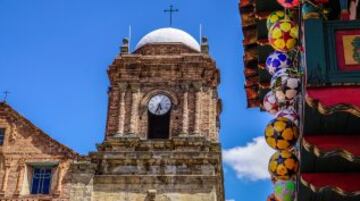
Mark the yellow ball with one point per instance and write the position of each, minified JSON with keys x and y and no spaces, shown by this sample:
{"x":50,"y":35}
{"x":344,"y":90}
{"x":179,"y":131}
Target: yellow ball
{"x":281,"y":133}
{"x":283,"y":165}
{"x":283,"y":35}
{"x":274,"y":17}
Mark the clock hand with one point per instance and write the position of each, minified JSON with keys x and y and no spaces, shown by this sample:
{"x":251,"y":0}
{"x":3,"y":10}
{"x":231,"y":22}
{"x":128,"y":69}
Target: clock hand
{"x":158,"y":109}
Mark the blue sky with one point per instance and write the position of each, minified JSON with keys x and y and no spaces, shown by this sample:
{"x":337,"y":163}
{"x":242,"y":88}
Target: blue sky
{"x":54,"y":56}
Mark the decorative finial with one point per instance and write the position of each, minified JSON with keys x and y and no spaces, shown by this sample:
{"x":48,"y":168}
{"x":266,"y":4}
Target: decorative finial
{"x":125,"y":46}
{"x":171,"y":10}
{"x":204,"y":45}
{"x":204,"y":40}
{"x":125,"y":41}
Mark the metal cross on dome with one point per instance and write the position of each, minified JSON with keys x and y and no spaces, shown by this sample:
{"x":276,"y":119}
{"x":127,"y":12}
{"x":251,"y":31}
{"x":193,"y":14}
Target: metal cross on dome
{"x":6,"y":94}
{"x":171,"y":10}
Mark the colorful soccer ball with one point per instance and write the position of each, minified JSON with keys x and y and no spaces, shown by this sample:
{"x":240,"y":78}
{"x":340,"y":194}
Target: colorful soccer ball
{"x":290,"y":114}
{"x":289,"y":3}
{"x":275,"y":17}
{"x":271,"y":198}
{"x":284,"y":72}
{"x":285,"y":85}
{"x":284,"y":190}
{"x":283,"y":165}
{"x":276,"y":61}
{"x":281,"y":133}
{"x":270,"y":104}
{"x":283,"y":35}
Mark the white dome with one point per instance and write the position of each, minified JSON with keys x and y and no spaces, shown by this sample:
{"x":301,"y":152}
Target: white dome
{"x":169,"y":35}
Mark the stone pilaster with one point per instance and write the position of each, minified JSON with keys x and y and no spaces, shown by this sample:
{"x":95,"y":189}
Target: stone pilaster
{"x":135,"y":101}
{"x":60,"y":175}
{"x":5,"y":178}
{"x":121,"y":123}
{"x":198,"y":96}
{"x":212,"y":115}
{"x":20,"y":178}
{"x":185,"y":109}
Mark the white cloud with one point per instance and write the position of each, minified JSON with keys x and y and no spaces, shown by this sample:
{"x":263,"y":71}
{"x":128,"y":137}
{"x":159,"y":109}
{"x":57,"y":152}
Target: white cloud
{"x":230,"y":200}
{"x":250,"y":161}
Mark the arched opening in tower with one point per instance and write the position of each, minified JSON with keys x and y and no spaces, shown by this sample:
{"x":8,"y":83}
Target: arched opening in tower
{"x":159,"y":126}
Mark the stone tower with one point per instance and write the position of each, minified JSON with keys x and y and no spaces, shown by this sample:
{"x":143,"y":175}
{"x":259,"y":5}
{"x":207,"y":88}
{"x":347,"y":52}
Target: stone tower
{"x":161,"y":141}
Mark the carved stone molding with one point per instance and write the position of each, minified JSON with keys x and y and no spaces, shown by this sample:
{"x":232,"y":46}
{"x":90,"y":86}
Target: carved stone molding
{"x":185,"y":86}
{"x":197,"y":86}
{"x":123,"y":86}
{"x":135,"y":87}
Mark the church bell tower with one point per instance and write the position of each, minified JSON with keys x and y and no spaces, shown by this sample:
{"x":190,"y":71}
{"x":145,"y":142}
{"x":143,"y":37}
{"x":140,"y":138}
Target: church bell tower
{"x":162,"y":132}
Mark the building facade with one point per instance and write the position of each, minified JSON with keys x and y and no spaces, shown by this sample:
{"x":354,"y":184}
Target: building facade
{"x":161,"y":141}
{"x":33,"y":166}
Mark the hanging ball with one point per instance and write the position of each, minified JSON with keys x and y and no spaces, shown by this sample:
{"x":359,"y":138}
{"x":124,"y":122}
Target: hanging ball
{"x":284,"y":190}
{"x":275,"y":17}
{"x":289,"y":113}
{"x":270,"y":104}
{"x":271,"y":198}
{"x":283,"y":165}
{"x":283,"y":35}
{"x":289,"y":3}
{"x":282,"y":72}
{"x":281,"y":133}
{"x":286,"y":85}
{"x":276,"y":61}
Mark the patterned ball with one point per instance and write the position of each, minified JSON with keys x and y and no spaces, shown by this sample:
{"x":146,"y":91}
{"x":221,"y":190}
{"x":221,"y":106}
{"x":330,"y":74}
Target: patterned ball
{"x":286,"y":85}
{"x":274,"y":17}
{"x":271,"y":198}
{"x":289,"y":3}
{"x":284,"y":190}
{"x":281,"y":133}
{"x":276,"y":61}
{"x":290,"y":114}
{"x":283,"y":72}
{"x":270,"y":104}
{"x":283,"y":165}
{"x":283,"y":35}
{"x":277,"y":16}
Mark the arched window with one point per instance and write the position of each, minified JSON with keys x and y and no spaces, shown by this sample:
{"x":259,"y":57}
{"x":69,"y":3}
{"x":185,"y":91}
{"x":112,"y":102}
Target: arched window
{"x":159,"y":110}
{"x":159,"y":126}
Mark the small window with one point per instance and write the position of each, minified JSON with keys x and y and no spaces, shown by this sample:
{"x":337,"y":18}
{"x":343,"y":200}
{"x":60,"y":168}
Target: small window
{"x":41,"y":180}
{"x":2,"y":135}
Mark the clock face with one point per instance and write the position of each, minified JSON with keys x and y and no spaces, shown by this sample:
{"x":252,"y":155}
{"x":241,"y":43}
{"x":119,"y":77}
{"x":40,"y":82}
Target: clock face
{"x":159,"y":104}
